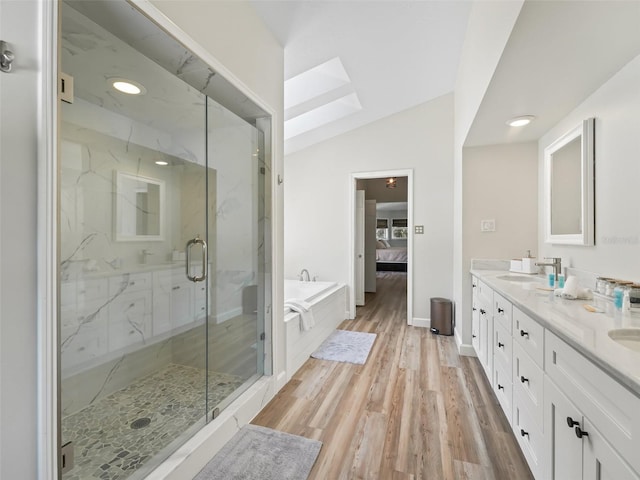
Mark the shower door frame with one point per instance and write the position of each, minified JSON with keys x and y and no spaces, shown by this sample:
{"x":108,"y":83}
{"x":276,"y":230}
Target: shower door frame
{"x":48,"y":240}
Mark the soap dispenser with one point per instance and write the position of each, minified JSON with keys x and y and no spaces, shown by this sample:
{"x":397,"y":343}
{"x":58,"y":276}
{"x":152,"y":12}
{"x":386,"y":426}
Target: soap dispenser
{"x":529,"y":264}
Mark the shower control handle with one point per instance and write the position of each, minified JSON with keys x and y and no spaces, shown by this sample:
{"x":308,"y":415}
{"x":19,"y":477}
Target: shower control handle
{"x":189,"y":246}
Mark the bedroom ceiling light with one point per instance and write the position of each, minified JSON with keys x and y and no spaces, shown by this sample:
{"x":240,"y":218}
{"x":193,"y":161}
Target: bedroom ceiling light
{"x":521,"y":121}
{"x":391,"y":182}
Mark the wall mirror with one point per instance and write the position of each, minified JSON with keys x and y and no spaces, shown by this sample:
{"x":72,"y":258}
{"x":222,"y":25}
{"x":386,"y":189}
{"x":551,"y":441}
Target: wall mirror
{"x":139,"y":208}
{"x":569,"y":187}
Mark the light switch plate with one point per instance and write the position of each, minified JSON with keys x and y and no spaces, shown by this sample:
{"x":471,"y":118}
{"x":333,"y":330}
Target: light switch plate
{"x":419,"y":229}
{"x":488,"y":225}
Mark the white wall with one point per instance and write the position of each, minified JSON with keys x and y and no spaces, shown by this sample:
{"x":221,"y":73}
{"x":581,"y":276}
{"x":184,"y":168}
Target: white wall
{"x":18,"y":193}
{"x":615,"y":105}
{"x":317,"y":191}
{"x":490,"y":24}
{"x":500,"y":182}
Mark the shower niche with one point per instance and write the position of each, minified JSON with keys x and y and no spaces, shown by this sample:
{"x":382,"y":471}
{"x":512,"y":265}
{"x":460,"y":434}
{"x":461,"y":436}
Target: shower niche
{"x":163,"y":215}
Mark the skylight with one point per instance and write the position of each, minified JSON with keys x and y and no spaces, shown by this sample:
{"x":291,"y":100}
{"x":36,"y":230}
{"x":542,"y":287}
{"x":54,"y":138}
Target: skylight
{"x":318,"y":96}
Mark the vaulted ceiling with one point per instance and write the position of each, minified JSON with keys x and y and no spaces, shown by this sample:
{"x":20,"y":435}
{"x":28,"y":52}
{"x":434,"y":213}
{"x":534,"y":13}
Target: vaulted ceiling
{"x":349,"y":63}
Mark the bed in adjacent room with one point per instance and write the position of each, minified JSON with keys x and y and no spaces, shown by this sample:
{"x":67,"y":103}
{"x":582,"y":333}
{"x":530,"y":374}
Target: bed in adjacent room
{"x":390,"y":258}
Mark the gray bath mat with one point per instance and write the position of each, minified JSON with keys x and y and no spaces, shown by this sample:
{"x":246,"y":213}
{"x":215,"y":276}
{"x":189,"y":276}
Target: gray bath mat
{"x":346,"y":346}
{"x":259,"y":453}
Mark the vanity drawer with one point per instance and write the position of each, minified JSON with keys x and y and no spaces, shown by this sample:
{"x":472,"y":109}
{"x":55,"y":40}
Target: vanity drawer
{"x":502,"y":346}
{"x":135,"y":283}
{"x":502,"y":311}
{"x":485,"y":296}
{"x":528,"y":383}
{"x":608,"y":405}
{"x":529,"y":334}
{"x":529,"y":436}
{"x":503,"y":389}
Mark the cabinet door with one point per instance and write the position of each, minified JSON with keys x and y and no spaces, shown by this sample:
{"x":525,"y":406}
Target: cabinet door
{"x":564,"y":447}
{"x":475,"y":329}
{"x":601,"y":461}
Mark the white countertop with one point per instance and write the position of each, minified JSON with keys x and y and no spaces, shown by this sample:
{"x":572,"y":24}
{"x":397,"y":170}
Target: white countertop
{"x":585,"y":331}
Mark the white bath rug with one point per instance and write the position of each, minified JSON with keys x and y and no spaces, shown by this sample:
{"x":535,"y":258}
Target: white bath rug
{"x":346,"y":346}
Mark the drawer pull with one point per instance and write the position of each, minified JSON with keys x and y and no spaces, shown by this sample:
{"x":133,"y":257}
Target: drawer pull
{"x":473,"y":336}
{"x":474,"y":286}
{"x":524,"y":379}
{"x":474,"y":309}
{"x":581,"y":433}
{"x":482,"y":311}
{"x":500,"y":345}
{"x":571,"y":422}
{"x":500,"y":387}
{"x":523,"y":433}
{"x":132,"y":283}
{"x":523,"y":333}
{"x":500,"y":310}
{"x":176,"y":288}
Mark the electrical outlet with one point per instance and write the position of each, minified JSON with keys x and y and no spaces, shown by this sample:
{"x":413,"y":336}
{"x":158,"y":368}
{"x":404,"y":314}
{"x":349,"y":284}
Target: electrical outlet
{"x":488,"y":225}
{"x":419,"y":229}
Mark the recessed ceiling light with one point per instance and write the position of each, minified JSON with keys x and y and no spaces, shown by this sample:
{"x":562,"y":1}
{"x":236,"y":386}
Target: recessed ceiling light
{"x":129,"y":87}
{"x":520,"y":121}
{"x":161,"y":162}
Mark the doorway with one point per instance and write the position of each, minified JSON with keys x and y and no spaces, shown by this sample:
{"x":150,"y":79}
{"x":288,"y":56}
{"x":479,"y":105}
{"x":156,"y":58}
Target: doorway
{"x":360,"y":250}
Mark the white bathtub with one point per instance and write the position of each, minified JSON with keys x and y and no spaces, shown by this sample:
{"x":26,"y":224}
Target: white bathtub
{"x":329,"y":306}
{"x":307,"y":291}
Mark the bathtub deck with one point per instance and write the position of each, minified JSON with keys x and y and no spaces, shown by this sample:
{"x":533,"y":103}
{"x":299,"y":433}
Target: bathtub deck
{"x":415,"y":410}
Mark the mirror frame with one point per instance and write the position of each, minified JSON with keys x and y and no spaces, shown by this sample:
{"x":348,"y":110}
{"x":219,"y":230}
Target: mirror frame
{"x":119,"y":237}
{"x":585,"y":131}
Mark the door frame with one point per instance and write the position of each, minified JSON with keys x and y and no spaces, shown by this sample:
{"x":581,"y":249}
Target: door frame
{"x":353,"y":180}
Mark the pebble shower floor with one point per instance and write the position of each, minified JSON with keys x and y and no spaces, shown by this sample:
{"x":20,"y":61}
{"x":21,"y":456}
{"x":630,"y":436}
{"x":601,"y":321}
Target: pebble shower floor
{"x":115,"y":436}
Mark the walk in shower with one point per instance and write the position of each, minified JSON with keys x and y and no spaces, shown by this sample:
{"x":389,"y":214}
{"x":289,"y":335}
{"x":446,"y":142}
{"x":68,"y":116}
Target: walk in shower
{"x":164,"y":181}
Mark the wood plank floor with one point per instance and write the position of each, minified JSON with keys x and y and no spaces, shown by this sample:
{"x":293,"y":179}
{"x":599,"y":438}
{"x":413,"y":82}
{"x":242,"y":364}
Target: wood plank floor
{"x":415,"y":410}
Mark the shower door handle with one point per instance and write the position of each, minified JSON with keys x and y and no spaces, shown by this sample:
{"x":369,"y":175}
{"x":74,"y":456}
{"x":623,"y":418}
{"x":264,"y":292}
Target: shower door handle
{"x":190,"y":244}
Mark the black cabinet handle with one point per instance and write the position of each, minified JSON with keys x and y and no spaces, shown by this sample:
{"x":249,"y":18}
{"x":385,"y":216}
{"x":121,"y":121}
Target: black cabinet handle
{"x":524,"y":379}
{"x":482,"y":311}
{"x":500,"y":345}
{"x":474,"y":309}
{"x":523,"y":433}
{"x":473,"y":286}
{"x":581,"y":433}
{"x":473,"y":336}
{"x":500,"y":310}
{"x":571,"y":422}
{"x":500,"y":387}
{"x":523,"y":333}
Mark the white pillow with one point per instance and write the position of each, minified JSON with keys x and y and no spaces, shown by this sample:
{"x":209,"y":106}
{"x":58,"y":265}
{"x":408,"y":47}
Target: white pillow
{"x":380,"y":244}
{"x":386,"y":244}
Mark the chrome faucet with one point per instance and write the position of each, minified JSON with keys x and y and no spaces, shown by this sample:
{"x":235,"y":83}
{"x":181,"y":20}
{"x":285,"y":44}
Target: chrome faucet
{"x":556,"y":263}
{"x":301,"y":276}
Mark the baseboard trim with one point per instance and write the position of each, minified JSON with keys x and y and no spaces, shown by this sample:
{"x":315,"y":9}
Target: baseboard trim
{"x":421,"y":322}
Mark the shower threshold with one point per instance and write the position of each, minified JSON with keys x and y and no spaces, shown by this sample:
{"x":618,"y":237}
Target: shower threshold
{"x":117,"y":435}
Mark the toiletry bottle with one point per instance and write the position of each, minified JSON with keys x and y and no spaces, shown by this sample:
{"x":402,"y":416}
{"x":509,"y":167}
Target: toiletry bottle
{"x":561,"y":280}
{"x":552,"y":279}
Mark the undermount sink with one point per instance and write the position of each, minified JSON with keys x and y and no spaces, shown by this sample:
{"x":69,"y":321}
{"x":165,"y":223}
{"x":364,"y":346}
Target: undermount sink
{"x":518,"y":278}
{"x":627,"y":337}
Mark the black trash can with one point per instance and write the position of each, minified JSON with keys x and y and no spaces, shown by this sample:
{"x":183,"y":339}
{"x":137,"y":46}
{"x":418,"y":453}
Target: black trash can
{"x":441,"y":316}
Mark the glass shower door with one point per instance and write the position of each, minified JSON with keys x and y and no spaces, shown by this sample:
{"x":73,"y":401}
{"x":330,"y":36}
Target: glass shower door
{"x":134,"y":298}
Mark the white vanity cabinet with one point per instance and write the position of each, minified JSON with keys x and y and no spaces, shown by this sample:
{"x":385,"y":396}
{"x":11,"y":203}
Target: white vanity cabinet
{"x":130,"y":310}
{"x":577,"y":449}
{"x":482,"y":325}
{"x":572,"y":420}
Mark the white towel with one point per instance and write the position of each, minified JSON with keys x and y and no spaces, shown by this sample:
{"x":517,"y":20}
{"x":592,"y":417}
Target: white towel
{"x":307,"y":321}
{"x":579,"y":294}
